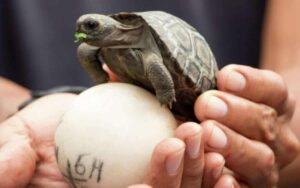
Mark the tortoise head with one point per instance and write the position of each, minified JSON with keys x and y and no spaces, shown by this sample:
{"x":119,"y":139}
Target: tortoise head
{"x":104,"y":31}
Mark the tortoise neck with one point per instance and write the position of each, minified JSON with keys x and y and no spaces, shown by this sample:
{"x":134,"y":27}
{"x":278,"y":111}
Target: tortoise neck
{"x":124,"y":37}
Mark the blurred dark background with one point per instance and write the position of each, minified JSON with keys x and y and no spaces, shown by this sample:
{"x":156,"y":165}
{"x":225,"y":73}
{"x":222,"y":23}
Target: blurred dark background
{"x":37,"y":46}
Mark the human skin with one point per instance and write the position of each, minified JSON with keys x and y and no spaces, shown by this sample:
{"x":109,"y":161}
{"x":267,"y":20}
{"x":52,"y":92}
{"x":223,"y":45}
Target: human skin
{"x":11,"y":96}
{"x":281,"y":53}
{"x":254,"y":110}
{"x":218,"y":137}
{"x":259,"y":107}
{"x":28,"y":159}
{"x":27,"y":148}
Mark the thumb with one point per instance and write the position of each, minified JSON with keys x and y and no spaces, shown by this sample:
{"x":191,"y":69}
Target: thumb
{"x":18,"y":159}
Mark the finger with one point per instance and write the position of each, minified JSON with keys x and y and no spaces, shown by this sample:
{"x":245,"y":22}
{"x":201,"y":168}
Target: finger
{"x":228,"y":181}
{"x":255,"y":121}
{"x":139,"y":186}
{"x":214,"y":164}
{"x":252,"y":161}
{"x":112,"y":76}
{"x":261,"y":86}
{"x":191,"y":134}
{"x":166,"y":165}
{"x":252,"y":120}
{"x":286,"y":146}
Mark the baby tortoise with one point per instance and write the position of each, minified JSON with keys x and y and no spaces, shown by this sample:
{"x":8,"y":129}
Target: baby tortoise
{"x":154,"y":49}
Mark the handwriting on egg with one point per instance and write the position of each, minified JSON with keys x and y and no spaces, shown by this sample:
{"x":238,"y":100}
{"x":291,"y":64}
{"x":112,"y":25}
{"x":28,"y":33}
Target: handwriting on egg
{"x":85,"y":168}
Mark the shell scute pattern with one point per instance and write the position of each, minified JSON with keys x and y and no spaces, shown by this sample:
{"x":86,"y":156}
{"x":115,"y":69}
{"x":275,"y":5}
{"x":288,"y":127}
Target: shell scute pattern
{"x":187,"y":47}
{"x":185,"y":53}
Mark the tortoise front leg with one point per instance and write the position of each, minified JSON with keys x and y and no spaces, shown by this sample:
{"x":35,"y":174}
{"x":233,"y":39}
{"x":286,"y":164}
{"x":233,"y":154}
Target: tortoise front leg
{"x":160,"y":79}
{"x":88,"y":58}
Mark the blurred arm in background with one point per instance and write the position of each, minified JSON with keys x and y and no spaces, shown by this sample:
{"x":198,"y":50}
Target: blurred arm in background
{"x":281,"y":53}
{"x":11,"y":96}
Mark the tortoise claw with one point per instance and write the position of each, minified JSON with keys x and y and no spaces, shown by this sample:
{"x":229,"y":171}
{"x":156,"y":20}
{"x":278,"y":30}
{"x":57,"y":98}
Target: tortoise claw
{"x":166,"y":98}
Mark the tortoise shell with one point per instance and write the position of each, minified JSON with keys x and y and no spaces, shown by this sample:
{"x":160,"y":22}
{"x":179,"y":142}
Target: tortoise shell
{"x":185,"y":53}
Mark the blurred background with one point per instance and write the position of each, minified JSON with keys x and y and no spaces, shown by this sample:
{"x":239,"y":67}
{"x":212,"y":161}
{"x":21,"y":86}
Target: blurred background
{"x":37,"y":48}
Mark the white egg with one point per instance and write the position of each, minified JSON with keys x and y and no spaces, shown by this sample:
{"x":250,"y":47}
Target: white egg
{"x":106,"y":139}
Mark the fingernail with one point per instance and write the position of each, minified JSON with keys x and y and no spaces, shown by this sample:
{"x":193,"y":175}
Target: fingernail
{"x":216,"y":108}
{"x":217,"y":172}
{"x":235,"y":81}
{"x":193,"y":144}
{"x":217,"y":139}
{"x":173,"y":162}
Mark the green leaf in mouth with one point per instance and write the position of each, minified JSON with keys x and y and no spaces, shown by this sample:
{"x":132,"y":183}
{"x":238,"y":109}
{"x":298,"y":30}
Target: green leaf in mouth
{"x":80,"y":36}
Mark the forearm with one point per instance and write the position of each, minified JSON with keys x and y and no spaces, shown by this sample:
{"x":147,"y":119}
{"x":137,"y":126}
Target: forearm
{"x":281,"y":53}
{"x":11,"y":96}
{"x":281,"y":35}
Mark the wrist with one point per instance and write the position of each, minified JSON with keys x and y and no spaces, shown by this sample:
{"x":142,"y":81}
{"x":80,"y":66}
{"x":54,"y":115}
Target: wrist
{"x":11,"y":96}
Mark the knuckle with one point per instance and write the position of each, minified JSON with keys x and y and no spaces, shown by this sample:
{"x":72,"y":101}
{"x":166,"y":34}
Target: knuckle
{"x":193,"y":172}
{"x":268,"y":160}
{"x":268,"y":125}
{"x":268,"y":175}
{"x":269,"y":181}
{"x":292,"y":146}
{"x":274,"y":178}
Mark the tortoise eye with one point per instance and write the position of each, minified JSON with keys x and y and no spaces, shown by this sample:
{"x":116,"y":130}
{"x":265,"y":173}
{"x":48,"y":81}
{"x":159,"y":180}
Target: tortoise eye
{"x":91,"y":24}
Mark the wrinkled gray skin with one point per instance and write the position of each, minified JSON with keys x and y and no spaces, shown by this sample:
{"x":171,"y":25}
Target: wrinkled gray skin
{"x":134,"y":52}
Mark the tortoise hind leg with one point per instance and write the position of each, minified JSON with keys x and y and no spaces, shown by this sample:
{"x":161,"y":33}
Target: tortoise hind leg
{"x":184,"y":110}
{"x":88,"y":57}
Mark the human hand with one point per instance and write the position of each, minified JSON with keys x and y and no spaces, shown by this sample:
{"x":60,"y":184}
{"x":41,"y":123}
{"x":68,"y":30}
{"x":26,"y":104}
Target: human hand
{"x":28,"y":158}
{"x":200,"y":172}
{"x":204,"y":171}
{"x":253,"y":108}
{"x":26,"y":143}
{"x":289,"y":176}
{"x":177,"y":163}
